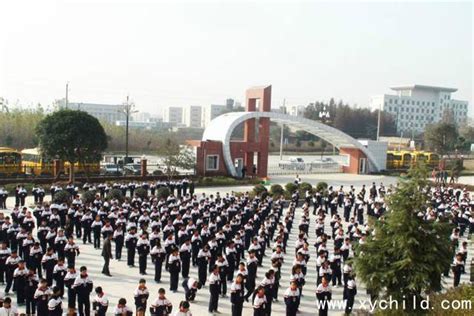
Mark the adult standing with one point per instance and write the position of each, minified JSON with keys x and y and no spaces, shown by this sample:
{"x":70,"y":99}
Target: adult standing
{"x":107,"y":254}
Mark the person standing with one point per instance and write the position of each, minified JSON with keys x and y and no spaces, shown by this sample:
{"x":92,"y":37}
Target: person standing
{"x":214,"y":289}
{"x":143,"y":249}
{"x":131,"y":244}
{"x":174,"y":268}
{"x":41,"y":296}
{"x":83,"y":286}
{"x":185,"y":256}
{"x":237,"y":295}
{"x":350,"y":291}
{"x":323,"y":294}
{"x":158,"y":255}
{"x":55,"y":304}
{"x":292,"y":299}
{"x":141,"y":295}
{"x":107,"y":254}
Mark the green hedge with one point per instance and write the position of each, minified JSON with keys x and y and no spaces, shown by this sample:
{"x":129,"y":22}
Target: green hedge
{"x":259,"y":189}
{"x":141,"y":193}
{"x":290,"y":187}
{"x":115,"y":194}
{"x":62,"y":196}
{"x":277,"y":190}
{"x":163,"y":193}
{"x":88,"y":196}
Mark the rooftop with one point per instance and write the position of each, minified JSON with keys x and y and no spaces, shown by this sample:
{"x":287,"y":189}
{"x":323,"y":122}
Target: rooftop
{"x":423,"y":87}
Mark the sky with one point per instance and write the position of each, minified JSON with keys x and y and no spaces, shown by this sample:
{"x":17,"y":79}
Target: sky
{"x":179,"y":53}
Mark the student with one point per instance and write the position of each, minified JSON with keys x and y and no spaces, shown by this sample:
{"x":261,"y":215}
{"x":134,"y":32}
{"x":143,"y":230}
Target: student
{"x":323,"y":294}
{"x":158,"y":255}
{"x":252,"y":266}
{"x":20,"y":275}
{"x":203,"y":258}
{"x":185,"y":256}
{"x":55,"y":304}
{"x":41,"y":297}
{"x":292,"y":299}
{"x":69,"y":279}
{"x":260,"y":302}
{"x":141,"y":295}
{"x":8,"y":309}
{"x":161,"y":306}
{"x":83,"y":287}
{"x":121,"y":309}
{"x":100,"y":303}
{"x":30,"y":289}
{"x":191,"y":286}
{"x":174,"y":268}
{"x":214,"y":289}
{"x":11,"y":264}
{"x":458,"y":268}
{"x":131,"y":244}
{"x":237,"y":295}
{"x":183,"y":309}
{"x":143,"y":249}
{"x":350,"y":291}
{"x":59,"y":272}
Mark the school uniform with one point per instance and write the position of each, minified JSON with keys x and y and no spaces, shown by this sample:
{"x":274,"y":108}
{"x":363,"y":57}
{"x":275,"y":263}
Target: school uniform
{"x":41,"y":297}
{"x":161,"y":307}
{"x":292,"y":301}
{"x":143,"y":249}
{"x":141,"y":296}
{"x":174,"y":268}
{"x":214,"y":290}
{"x":158,"y":255}
{"x":237,"y":298}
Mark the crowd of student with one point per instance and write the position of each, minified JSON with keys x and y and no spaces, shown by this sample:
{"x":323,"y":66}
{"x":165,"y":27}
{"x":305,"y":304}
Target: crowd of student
{"x":226,"y":238}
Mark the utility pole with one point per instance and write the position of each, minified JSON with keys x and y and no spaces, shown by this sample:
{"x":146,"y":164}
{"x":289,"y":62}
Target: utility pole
{"x":127,"y":110}
{"x":67,"y":92}
{"x":281,"y":133}
{"x":378,"y":122}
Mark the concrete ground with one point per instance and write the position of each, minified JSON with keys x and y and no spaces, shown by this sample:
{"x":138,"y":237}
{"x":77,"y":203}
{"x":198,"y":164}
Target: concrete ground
{"x":125,"y":279}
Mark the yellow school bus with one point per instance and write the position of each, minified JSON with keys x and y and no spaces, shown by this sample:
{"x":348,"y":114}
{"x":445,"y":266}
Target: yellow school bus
{"x":10,"y":161}
{"x":403,"y":159}
{"x":35,"y":163}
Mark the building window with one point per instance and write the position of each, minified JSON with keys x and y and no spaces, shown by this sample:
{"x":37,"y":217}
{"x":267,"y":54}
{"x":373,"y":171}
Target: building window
{"x":390,"y":101}
{"x":212,"y":162}
{"x":412,"y":102}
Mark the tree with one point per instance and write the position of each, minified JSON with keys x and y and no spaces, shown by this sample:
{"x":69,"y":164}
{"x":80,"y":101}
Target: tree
{"x":406,"y":255}
{"x":72,"y":136}
{"x":176,"y":156}
{"x":441,"y":137}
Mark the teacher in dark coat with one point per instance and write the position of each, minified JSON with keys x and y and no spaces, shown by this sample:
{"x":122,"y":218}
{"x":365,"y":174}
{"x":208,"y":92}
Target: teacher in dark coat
{"x":107,"y":254}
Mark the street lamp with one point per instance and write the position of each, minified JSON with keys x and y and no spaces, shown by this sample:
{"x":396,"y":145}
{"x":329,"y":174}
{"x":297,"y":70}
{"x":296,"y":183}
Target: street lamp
{"x":127,"y":109}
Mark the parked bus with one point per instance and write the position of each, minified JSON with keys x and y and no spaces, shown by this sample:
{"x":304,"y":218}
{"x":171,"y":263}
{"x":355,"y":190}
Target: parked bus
{"x":10,"y":161}
{"x":36,"y":164}
{"x":403,"y":159}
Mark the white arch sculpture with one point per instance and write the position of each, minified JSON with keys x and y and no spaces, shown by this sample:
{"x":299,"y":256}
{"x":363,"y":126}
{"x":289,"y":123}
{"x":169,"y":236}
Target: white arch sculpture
{"x":221,"y":128}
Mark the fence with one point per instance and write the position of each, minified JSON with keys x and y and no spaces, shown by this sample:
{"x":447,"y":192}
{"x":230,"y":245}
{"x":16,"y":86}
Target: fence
{"x":304,"y":168}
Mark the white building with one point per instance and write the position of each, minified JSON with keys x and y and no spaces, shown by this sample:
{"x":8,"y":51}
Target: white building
{"x":173,"y":115}
{"x":104,"y":112}
{"x":212,"y":111}
{"x":296,"y":110}
{"x":193,"y":116}
{"x":415,"y":106}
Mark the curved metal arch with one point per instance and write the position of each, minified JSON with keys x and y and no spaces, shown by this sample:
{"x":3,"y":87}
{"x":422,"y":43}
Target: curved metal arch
{"x":222,"y":127}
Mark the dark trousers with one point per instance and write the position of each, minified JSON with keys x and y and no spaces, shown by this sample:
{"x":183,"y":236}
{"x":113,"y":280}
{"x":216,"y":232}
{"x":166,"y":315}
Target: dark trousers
{"x":9,"y":277}
{"x":31,"y":306}
{"x":237,"y":309}
{"x":96,"y":240}
{"x":158,"y":267}
{"x":174,"y":279}
{"x":131,"y":257}
{"x":2,"y":273}
{"x":142,"y":263}
{"x":105,"y":269}
{"x":185,"y":268}
{"x":213,"y":302}
{"x":84,"y":305}
{"x":118,"y":250}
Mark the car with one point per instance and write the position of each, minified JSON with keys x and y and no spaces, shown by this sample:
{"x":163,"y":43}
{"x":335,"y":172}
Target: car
{"x":132,"y":169}
{"x":293,"y":163}
{"x":323,"y":162}
{"x":111,"y":169}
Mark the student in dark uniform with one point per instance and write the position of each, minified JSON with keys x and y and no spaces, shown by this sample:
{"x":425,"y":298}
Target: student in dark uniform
{"x":30,"y":289}
{"x":20,"y":275}
{"x":83,"y":287}
{"x":350,"y":291}
{"x":214,"y":289}
{"x":185,"y":256}
{"x":292,"y":299}
{"x":41,"y":297}
{"x":260,"y":302}
{"x":162,"y":306}
{"x":141,"y":295}
{"x":119,"y":241}
{"x":237,"y":295}
{"x":191,"y":286}
{"x":131,"y":244}
{"x":100,"y":303}
{"x":323,"y":294}
{"x":158,"y":255}
{"x":11,"y":265}
{"x":69,"y":279}
{"x":55,"y":304}
{"x":174,"y":268}
{"x":143,"y":249}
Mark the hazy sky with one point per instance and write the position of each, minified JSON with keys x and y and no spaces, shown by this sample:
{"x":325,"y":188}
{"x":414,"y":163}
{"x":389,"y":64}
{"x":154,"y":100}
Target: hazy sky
{"x":200,"y":52}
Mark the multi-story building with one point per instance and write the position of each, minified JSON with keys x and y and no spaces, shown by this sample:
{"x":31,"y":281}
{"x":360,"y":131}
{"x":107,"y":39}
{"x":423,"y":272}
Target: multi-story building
{"x":211,"y":112}
{"x":193,"y":116}
{"x":173,"y":115}
{"x":296,"y":110}
{"x":104,"y":112}
{"x":413,"y":107}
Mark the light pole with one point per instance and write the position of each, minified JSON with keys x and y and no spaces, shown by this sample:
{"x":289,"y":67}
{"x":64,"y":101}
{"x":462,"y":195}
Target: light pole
{"x":127,"y":109}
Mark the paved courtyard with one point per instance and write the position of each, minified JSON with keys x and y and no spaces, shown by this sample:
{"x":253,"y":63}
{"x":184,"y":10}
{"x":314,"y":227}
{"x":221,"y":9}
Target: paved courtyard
{"x":125,"y":279}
